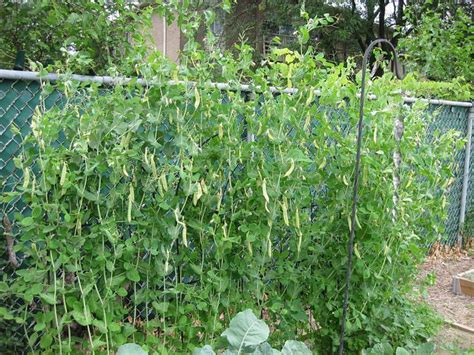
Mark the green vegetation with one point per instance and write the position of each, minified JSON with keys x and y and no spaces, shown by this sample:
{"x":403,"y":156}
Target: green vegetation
{"x":159,"y":212}
{"x":248,"y":335}
{"x":442,"y":48}
{"x":81,"y":35}
{"x":155,"y":221}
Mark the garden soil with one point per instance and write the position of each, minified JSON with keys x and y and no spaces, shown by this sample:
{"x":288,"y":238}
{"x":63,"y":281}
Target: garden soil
{"x":452,"y":308}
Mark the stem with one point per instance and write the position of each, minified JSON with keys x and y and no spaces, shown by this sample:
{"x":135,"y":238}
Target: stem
{"x":54,"y":305}
{"x":83,"y":296}
{"x":105,"y":317}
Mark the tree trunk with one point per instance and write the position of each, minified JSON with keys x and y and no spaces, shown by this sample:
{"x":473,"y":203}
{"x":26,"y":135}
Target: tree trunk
{"x":259,"y":17}
{"x":381,"y":18}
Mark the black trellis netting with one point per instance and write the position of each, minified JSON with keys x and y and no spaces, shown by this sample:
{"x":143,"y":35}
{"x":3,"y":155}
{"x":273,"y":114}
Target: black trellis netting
{"x":20,"y":98}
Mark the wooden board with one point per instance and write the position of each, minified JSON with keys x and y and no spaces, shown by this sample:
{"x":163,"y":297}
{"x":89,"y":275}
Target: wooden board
{"x":467,"y":287}
{"x":462,"y":285}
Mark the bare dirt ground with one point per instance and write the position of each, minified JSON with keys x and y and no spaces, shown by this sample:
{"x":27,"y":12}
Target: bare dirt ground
{"x":451,"y":307}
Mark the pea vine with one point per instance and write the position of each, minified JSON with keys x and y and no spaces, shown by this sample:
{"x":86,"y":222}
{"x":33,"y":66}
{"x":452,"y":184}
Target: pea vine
{"x":159,"y":212}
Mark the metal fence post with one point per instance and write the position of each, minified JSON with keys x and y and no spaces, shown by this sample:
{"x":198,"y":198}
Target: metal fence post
{"x":465,"y":181}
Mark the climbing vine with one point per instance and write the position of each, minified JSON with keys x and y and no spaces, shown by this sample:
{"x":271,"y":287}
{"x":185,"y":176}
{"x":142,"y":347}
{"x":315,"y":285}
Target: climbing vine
{"x":158,"y":212}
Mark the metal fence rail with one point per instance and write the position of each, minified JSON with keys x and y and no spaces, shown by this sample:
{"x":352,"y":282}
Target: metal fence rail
{"x":20,"y":94}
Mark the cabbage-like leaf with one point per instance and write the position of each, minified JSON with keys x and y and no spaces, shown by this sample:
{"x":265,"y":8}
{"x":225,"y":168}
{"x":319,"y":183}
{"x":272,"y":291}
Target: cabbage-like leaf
{"x":205,"y":350}
{"x":266,"y":349}
{"x":293,"y":347}
{"x":131,"y":349}
{"x":425,"y":349}
{"x":401,"y":351}
{"x":246,"y":332}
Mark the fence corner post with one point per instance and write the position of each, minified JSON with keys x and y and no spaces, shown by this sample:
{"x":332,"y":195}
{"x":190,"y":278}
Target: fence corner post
{"x":465,"y":180}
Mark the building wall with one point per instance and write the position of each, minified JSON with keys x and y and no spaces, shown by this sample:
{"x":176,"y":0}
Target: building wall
{"x":166,"y":38}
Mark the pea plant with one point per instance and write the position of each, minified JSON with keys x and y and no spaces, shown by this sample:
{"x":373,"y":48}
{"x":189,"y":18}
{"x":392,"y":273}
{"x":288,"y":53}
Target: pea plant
{"x":158,"y":212}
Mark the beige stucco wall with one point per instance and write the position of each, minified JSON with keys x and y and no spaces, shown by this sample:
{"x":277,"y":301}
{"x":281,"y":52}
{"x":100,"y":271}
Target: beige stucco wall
{"x":166,"y":38}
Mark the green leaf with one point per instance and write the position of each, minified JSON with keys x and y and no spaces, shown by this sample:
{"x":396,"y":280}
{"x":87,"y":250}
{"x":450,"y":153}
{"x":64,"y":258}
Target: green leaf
{"x":5,"y":313}
{"x":401,"y":351}
{"x":246,"y":332}
{"x":133,"y":275}
{"x":266,"y":349}
{"x":80,"y":318}
{"x":205,"y":350}
{"x":131,"y":349}
{"x":379,"y":349}
{"x":100,"y":325}
{"x":161,"y":307}
{"x":48,"y":298}
{"x":425,"y":349}
{"x":293,"y":347}
{"x":27,"y":221}
{"x":46,"y":341}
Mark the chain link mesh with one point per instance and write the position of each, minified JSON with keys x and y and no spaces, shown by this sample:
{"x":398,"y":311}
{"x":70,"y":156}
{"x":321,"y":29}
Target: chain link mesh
{"x":18,"y":101}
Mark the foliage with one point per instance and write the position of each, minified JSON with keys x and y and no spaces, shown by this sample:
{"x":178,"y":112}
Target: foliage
{"x":131,"y":349}
{"x":457,"y":89}
{"x":158,"y":211}
{"x":441,"y":48}
{"x":387,"y":349}
{"x":88,"y":36}
{"x":246,"y":334}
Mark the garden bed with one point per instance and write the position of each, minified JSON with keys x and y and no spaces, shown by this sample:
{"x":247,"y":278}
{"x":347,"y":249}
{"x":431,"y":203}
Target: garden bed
{"x":463,"y":283}
{"x":453,"y":308}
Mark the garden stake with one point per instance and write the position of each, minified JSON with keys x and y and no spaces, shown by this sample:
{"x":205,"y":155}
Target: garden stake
{"x":350,"y":245}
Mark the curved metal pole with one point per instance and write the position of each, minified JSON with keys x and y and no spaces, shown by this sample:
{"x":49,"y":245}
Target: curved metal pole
{"x":350,"y":244}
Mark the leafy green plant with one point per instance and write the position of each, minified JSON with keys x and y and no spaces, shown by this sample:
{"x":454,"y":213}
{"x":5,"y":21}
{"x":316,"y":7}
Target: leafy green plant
{"x":159,"y":211}
{"x":441,"y":48}
{"x":85,"y":36}
{"x":387,"y":349}
{"x":246,"y":334}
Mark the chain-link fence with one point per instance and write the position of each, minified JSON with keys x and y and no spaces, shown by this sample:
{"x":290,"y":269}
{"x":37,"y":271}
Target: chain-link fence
{"x":18,"y":102}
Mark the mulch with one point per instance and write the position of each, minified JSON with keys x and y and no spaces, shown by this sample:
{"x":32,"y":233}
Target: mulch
{"x":453,"y":308}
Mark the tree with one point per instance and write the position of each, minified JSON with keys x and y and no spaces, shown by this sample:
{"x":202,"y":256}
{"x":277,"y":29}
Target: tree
{"x":92,"y":34}
{"x":440,"y":46}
